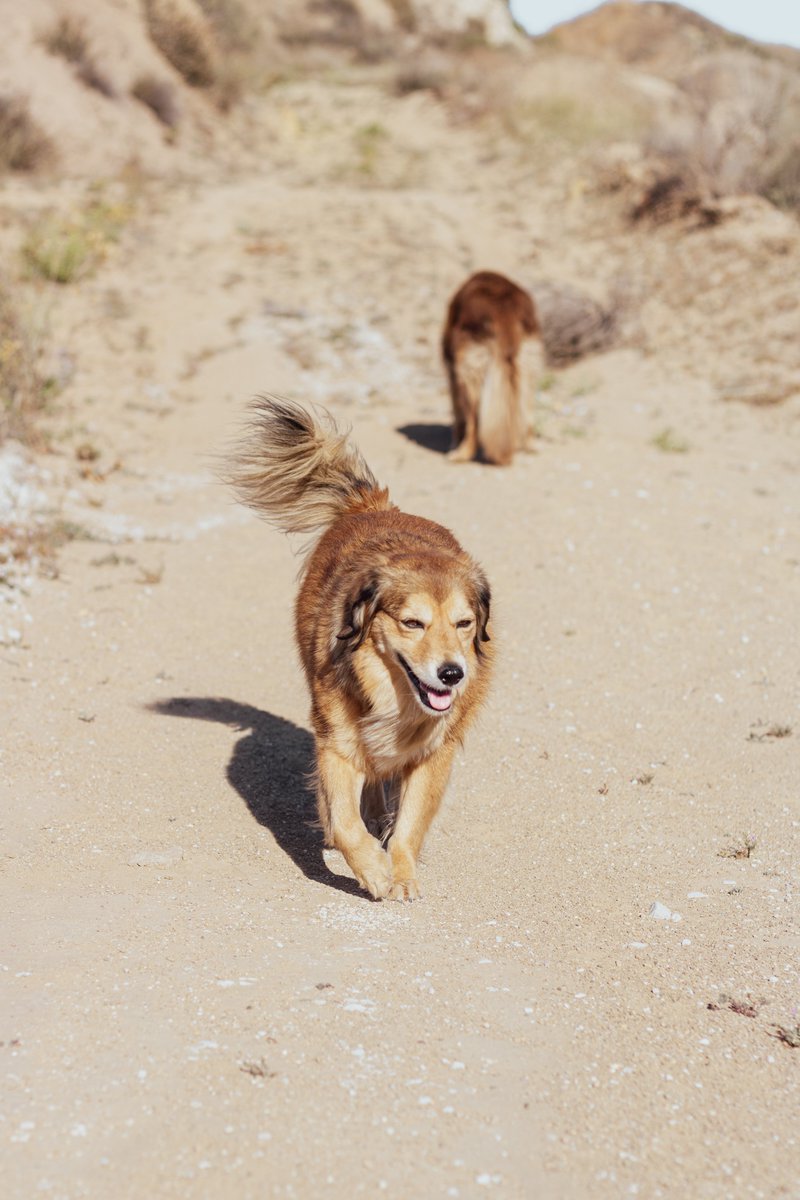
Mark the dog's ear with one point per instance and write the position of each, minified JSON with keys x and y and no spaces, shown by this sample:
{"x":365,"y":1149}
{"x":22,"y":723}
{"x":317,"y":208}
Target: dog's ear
{"x":358,"y":614}
{"x":483,"y":604}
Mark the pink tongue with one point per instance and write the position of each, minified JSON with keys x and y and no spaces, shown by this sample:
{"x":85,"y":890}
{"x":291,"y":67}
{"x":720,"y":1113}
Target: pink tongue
{"x":441,"y":701}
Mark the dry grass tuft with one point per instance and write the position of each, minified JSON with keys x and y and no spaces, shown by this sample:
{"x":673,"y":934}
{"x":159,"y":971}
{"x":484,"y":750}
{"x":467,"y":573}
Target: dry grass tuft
{"x":743,"y":1006}
{"x":24,"y":146}
{"x":769,"y":733}
{"x":160,"y":97}
{"x":742,"y":848}
{"x":24,"y":387}
{"x":670,"y":442}
{"x":36,"y":546}
{"x":183,"y":35}
{"x":64,"y":249}
{"x":257,"y":1069}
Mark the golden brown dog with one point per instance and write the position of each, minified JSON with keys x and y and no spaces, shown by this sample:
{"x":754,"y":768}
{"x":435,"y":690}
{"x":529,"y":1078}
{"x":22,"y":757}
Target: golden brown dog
{"x":492,"y":351}
{"x":391,"y":623}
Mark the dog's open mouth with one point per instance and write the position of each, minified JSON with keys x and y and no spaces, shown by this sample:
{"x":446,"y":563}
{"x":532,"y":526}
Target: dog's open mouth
{"x":439,"y":700}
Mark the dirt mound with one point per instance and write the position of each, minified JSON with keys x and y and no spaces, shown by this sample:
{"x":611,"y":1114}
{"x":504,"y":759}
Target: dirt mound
{"x":658,"y":37}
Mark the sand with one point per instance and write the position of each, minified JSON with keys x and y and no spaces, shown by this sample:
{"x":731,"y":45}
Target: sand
{"x":196,"y":1001}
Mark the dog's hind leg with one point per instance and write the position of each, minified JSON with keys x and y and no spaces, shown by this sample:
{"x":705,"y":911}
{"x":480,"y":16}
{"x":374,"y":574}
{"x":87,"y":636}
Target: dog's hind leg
{"x":422,"y":791}
{"x":466,"y":383}
{"x":339,"y":789}
{"x":374,"y":810}
{"x":530,"y":363}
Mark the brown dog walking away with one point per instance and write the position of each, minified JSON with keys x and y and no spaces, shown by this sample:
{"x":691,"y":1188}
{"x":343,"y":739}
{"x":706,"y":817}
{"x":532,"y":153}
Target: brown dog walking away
{"x":391,"y":622}
{"x":492,"y":351}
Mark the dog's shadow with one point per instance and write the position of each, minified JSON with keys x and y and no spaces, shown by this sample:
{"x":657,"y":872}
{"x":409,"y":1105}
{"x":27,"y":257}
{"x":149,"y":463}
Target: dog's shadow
{"x":436,"y":437}
{"x":269,"y":768}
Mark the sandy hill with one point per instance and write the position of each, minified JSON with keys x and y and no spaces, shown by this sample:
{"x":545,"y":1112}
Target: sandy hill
{"x":657,"y":36}
{"x":117,"y":81}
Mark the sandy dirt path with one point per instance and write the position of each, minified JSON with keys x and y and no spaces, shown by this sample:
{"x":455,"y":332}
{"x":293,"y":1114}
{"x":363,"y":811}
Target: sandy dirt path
{"x":196,"y":1001}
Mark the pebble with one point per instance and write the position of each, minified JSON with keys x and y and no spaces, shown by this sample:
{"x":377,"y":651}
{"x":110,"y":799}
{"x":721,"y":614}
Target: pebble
{"x":156,"y":858}
{"x":660,"y":912}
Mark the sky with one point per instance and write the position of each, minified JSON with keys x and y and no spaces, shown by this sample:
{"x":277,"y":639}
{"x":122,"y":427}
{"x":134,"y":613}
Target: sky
{"x":764,"y":20}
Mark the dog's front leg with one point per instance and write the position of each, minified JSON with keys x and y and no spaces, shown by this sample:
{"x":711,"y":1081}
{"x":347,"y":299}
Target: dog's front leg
{"x":422,"y":791}
{"x":339,"y":787}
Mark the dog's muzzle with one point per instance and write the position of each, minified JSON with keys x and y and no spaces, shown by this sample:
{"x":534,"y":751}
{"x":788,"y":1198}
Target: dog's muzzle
{"x":438,"y":700}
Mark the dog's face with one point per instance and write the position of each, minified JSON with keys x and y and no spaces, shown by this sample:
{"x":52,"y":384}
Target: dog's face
{"x":431,"y":638}
{"x":428,"y":632}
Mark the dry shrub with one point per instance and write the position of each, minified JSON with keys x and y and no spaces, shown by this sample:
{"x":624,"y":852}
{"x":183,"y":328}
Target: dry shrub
{"x":404,"y":15}
{"x":781,"y":182}
{"x":737,"y":133}
{"x":24,"y":146}
{"x":24,"y":389}
{"x":341,"y":25}
{"x":558,"y":108}
{"x":69,"y":39}
{"x":160,"y":97}
{"x":249,"y":56}
{"x":233,"y":25}
{"x":572,"y":323}
{"x":234,"y":79}
{"x":95,"y":77}
{"x":675,"y":190}
{"x":183,"y":35}
{"x":419,"y":76}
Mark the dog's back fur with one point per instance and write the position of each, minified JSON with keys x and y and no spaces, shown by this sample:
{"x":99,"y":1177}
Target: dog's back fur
{"x":382,"y":713}
{"x":492,"y":350}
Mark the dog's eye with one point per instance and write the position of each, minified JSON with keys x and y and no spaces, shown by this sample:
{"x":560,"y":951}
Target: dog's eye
{"x":464,"y":623}
{"x":411,"y":623}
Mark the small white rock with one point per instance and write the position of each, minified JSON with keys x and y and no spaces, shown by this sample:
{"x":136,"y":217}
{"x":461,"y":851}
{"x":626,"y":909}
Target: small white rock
{"x":659,"y":911}
{"x":156,"y":858}
{"x":696,"y":896}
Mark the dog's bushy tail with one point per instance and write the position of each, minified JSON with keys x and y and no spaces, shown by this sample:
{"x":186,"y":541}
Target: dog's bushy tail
{"x":298,"y":470}
{"x":499,"y":417}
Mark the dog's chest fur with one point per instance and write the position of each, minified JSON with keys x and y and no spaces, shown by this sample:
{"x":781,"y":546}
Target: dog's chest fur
{"x":392,"y":743}
{"x":395,"y":734}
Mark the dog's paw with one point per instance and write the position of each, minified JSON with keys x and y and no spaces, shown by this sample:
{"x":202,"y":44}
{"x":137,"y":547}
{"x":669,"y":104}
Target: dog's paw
{"x":404,"y":873}
{"x":461,"y":454}
{"x":377,"y":882}
{"x":404,"y":889}
{"x":372,"y":868}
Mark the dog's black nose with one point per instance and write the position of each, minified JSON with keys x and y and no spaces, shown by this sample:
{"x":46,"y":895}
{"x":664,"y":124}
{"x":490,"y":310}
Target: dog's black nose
{"x":450,"y":674}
